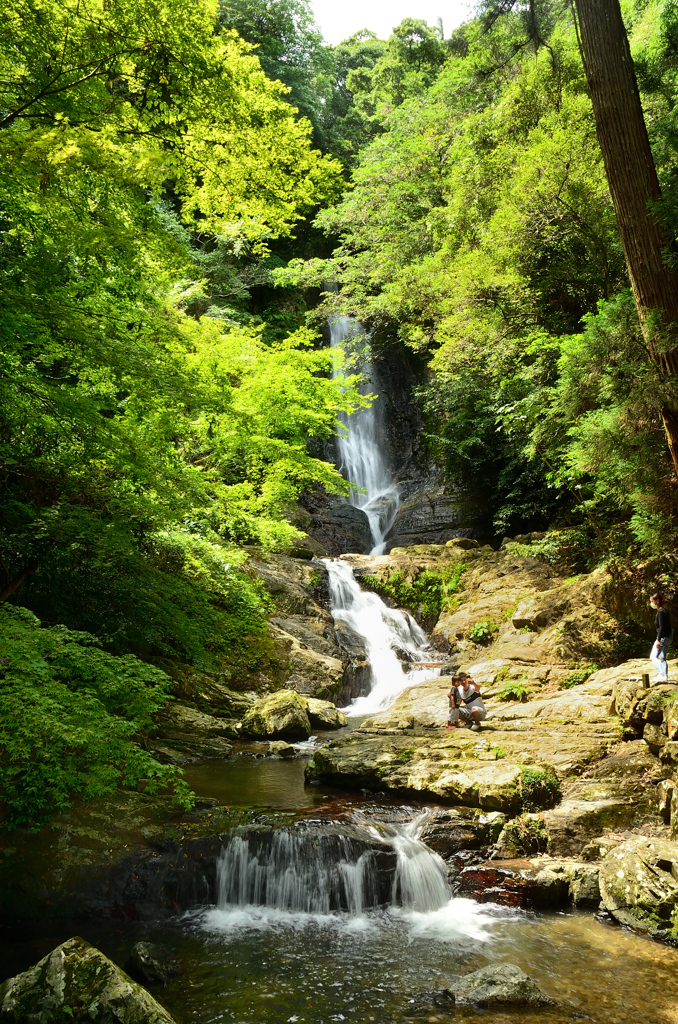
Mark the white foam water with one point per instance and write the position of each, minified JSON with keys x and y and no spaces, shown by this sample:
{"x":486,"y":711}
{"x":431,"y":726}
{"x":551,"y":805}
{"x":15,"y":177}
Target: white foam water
{"x":385,"y":632}
{"x":360,"y":451}
{"x":299,"y":881}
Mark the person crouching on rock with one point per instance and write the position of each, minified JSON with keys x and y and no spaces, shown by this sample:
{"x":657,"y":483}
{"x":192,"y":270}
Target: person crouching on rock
{"x":472,"y":711}
{"x":664,"y":639}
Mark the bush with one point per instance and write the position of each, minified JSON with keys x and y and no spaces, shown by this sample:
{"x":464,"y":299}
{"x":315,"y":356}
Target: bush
{"x":525,"y":834}
{"x":538,"y":787}
{"x":71,"y":720}
{"x":580,"y":675}
{"x":515,"y":689}
{"x":483,"y":632}
{"x":431,"y":591}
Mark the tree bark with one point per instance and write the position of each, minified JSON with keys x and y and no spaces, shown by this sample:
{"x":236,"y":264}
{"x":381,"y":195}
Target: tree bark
{"x":14,"y":584}
{"x":632,"y":177}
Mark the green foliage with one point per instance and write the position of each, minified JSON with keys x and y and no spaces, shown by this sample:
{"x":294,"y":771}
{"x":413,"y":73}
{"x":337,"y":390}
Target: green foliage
{"x":579,"y":675}
{"x":71,"y":718}
{"x":290,"y":49}
{"x":526,"y":834}
{"x":514,"y":689}
{"x":427,"y":594}
{"x":481,"y":233}
{"x":538,"y":787}
{"x":483,"y":632}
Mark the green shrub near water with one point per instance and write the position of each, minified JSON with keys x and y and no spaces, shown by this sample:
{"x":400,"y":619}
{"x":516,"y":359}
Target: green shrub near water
{"x":431,"y":591}
{"x":72,"y":719}
{"x":538,"y":787}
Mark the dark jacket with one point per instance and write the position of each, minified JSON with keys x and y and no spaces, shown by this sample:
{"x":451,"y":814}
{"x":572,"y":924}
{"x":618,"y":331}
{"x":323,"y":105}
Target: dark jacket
{"x":663,"y":623}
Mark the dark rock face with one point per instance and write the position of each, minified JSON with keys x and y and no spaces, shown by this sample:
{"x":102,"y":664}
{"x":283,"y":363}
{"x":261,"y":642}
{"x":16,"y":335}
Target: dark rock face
{"x":357,"y":672}
{"x":429,"y":516}
{"x":150,"y":965}
{"x":336,"y":524}
{"x":77,"y":982}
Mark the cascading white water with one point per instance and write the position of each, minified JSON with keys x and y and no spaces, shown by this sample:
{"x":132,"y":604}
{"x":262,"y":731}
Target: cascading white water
{"x":361,"y":453}
{"x":384,"y":631}
{"x":321,"y":873}
{"x":420,"y":882}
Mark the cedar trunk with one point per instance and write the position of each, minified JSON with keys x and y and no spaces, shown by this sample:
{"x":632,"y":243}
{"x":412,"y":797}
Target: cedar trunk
{"x":633,"y":182}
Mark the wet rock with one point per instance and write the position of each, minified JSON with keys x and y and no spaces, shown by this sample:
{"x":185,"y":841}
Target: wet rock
{"x":539,"y":883}
{"x":357,"y":672}
{"x":150,"y":964}
{"x":639,"y":886}
{"x":185,"y":729}
{"x":279,"y":748}
{"x":76,"y":981}
{"x":281,"y":715}
{"x":430,"y":516}
{"x":460,"y":828}
{"x":303,"y":657}
{"x":324,"y":715}
{"x":499,"y":985}
{"x":336,"y":524}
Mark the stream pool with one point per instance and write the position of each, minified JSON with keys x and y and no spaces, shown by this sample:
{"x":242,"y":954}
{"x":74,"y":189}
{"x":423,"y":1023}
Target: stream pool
{"x":246,"y":964}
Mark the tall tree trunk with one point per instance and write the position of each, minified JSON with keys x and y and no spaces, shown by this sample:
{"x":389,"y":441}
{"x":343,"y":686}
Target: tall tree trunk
{"x":633,"y":182}
{"x":13,"y":585}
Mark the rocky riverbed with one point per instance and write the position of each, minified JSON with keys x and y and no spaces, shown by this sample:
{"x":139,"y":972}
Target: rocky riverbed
{"x":566,"y":797}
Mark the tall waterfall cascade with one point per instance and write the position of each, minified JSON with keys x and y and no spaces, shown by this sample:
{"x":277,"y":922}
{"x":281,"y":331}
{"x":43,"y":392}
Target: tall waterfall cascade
{"x":393,"y":640}
{"x":361,"y":453}
{"x":364,"y":869}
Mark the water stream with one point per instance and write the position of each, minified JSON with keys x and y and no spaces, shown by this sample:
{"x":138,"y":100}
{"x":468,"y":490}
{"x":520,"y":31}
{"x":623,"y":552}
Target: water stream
{"x":393,"y":640}
{"x":361,"y":454}
{"x":354,"y":868}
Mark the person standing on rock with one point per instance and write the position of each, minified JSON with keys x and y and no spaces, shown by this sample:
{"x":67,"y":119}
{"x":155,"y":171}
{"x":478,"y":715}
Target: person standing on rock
{"x":664,"y":639}
{"x":472,"y":711}
{"x":453,"y":713}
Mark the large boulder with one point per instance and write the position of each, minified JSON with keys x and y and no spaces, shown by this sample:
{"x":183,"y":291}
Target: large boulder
{"x":499,"y":985}
{"x":150,"y":965}
{"x":336,"y":524}
{"x":324,"y":715}
{"x":639,"y":886}
{"x":430,"y":516}
{"x":75,"y":982}
{"x":280,"y":716}
{"x":615,"y":793}
{"x":184,"y":734}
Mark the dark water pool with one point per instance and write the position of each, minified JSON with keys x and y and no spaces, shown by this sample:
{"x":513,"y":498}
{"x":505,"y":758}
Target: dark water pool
{"x":247,"y":781}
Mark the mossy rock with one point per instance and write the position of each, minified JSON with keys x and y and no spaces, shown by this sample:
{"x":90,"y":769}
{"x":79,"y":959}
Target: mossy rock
{"x":77,"y":983}
{"x":639,"y":886}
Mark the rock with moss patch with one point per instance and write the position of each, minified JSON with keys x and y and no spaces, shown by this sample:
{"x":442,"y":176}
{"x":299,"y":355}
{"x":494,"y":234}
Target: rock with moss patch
{"x":281,"y":715}
{"x":324,"y":715}
{"x":499,"y":985}
{"x":639,"y":886}
{"x":280,"y":748}
{"x":77,"y":982}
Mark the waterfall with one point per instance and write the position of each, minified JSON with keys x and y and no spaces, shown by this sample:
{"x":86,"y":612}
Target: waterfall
{"x":309,"y":871}
{"x":387,"y":633}
{"x":361,"y":453}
